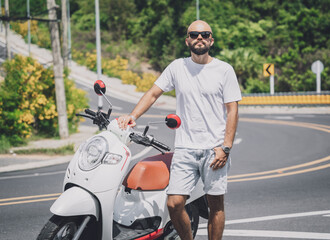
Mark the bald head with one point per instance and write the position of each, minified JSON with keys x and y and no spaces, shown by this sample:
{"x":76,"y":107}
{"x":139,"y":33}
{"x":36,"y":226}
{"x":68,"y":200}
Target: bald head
{"x":199,"y":26}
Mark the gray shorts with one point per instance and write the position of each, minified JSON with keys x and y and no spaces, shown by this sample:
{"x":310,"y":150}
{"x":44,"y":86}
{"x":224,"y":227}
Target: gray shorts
{"x":188,"y":165}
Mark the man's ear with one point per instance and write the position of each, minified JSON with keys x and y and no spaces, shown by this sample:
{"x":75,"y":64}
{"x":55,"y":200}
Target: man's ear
{"x":212,"y":41}
{"x":186,"y":40}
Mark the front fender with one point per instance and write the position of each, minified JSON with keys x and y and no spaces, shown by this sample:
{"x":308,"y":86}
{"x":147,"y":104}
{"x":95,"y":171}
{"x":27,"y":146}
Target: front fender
{"x":75,"y":201}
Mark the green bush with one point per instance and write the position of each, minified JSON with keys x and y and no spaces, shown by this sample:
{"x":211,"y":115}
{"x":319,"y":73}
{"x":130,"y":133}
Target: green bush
{"x":27,"y":101}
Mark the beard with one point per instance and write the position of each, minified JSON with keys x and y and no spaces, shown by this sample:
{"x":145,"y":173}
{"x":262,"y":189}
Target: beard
{"x":199,"y":50}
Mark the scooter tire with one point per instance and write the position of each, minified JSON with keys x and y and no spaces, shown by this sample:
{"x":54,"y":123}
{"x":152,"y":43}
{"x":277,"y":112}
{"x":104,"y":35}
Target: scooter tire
{"x":69,"y":226}
{"x":193,"y":214}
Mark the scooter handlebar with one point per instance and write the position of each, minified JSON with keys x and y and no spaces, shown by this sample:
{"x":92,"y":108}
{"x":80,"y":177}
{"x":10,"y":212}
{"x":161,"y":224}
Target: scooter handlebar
{"x":147,"y":140}
{"x":160,"y":145}
{"x":99,"y":118}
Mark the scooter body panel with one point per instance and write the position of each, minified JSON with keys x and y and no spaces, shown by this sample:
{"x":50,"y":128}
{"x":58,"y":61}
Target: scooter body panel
{"x":136,"y":204}
{"x":104,"y":177}
{"x":100,"y":183}
{"x":75,"y":201}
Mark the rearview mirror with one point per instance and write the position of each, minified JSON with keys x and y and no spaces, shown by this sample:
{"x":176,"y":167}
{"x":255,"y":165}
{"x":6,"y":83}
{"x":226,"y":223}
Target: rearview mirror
{"x":99,"y":87}
{"x":173,"y":121}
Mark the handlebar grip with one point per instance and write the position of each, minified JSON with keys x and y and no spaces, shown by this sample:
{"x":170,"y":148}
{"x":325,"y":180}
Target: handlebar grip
{"x":90,"y":112}
{"x":160,"y":145}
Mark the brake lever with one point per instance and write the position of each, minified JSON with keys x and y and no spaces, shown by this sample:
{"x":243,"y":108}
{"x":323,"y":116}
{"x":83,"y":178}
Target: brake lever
{"x":140,"y":139}
{"x":84,"y":115}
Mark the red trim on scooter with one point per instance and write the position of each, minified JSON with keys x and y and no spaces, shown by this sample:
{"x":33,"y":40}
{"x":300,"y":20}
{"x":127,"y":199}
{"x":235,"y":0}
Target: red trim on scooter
{"x":152,"y":235}
{"x":127,"y":154}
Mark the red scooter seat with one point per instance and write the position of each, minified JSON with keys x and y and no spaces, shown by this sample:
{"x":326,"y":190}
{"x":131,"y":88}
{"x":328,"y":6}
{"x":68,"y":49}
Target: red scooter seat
{"x":152,"y":173}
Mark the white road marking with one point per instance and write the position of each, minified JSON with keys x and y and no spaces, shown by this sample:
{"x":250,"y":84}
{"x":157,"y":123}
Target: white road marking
{"x":265,"y":234}
{"x":117,"y":108}
{"x":281,"y":117}
{"x":144,"y":126}
{"x":202,"y":228}
{"x":274,"y":217}
{"x":238,"y":140}
{"x":305,"y":115}
{"x":32,"y":175}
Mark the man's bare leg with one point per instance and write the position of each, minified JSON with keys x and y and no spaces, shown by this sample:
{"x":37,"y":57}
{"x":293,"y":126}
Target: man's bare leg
{"x":179,"y":216}
{"x":216,"y":223}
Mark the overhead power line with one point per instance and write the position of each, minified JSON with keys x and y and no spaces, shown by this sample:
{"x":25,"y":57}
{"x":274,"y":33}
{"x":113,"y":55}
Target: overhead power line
{"x":14,"y":19}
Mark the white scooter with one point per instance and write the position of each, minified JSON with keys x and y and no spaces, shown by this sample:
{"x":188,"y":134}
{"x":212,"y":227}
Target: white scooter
{"x":109,"y":196}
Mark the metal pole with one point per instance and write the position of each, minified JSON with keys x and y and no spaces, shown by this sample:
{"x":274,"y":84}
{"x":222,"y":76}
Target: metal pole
{"x":98,"y":48}
{"x":29,"y":25}
{"x":69,"y":31}
{"x":271,"y":80}
{"x":318,"y":82}
{"x":1,"y":14}
{"x":197,"y":9}
{"x":64,"y":33}
{"x":7,"y":30}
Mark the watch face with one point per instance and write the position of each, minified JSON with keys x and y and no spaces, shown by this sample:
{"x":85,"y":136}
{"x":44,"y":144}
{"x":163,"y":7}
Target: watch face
{"x":226,"y":149}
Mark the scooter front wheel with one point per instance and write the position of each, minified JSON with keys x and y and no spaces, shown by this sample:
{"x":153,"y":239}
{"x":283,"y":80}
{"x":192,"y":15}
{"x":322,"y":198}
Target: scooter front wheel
{"x":64,"y":228}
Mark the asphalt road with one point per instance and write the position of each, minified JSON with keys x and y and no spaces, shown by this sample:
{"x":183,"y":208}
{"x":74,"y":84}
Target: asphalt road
{"x":279,"y":185}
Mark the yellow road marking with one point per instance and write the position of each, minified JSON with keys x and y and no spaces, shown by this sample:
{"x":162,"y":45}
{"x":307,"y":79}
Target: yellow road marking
{"x":28,"y":201}
{"x":283,"y":174}
{"x":29,"y":197}
{"x":281,"y":170}
{"x":319,"y":127}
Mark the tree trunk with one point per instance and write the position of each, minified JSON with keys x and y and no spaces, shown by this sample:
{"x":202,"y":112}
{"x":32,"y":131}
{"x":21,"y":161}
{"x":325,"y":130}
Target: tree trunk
{"x":58,"y":72}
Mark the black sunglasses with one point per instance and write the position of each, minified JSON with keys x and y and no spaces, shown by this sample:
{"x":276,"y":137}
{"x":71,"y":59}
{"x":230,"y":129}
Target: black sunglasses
{"x":194,"y":34}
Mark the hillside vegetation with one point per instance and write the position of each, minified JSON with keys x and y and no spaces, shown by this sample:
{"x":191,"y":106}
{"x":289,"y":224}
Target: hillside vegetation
{"x":248,"y":33}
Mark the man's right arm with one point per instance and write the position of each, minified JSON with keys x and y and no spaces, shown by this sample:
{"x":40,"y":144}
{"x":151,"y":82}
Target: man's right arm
{"x":143,"y":105}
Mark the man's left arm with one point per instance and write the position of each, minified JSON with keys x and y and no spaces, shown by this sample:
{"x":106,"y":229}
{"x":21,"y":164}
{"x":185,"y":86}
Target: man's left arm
{"x":231,"y":124}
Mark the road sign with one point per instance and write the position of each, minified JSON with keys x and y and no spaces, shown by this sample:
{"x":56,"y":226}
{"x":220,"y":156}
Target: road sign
{"x":269,"y":69}
{"x":317,"y":68}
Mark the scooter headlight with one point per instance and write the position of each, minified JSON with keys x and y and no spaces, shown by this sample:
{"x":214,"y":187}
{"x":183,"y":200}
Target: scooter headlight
{"x":93,"y":153}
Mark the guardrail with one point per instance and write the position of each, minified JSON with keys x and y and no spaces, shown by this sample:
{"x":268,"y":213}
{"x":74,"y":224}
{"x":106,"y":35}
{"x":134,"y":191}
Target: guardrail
{"x":290,"y":98}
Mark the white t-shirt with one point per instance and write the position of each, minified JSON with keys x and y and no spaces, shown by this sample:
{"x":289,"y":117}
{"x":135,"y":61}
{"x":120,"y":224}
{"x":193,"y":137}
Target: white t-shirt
{"x":201,"y":91}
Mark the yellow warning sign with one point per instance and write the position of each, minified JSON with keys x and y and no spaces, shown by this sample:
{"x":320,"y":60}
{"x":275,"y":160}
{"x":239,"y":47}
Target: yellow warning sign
{"x":268,"y":69}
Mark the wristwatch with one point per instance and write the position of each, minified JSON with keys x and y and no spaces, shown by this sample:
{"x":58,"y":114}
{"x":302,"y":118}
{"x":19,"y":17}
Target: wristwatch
{"x":225,"y":149}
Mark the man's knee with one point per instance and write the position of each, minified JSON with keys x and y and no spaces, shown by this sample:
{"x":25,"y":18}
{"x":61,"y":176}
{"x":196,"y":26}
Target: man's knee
{"x":176,"y":202}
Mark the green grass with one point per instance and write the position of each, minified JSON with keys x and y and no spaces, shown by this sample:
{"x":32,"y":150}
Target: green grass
{"x":4,"y":145}
{"x":65,"y":150}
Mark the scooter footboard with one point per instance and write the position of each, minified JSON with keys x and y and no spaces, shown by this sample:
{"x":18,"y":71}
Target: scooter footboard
{"x":75,"y":201}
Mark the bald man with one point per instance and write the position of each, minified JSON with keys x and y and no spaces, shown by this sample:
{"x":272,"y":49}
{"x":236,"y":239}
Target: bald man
{"x":207,"y":94}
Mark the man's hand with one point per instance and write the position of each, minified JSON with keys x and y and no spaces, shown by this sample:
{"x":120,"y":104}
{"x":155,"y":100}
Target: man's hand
{"x":220,"y":159}
{"x":126,"y":120}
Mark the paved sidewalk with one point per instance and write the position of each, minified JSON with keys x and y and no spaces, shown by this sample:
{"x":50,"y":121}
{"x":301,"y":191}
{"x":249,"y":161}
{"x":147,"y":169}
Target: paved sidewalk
{"x":15,"y":162}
